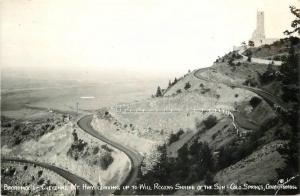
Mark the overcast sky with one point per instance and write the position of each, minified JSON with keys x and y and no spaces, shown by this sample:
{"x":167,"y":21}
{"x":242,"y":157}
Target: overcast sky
{"x":144,"y":36}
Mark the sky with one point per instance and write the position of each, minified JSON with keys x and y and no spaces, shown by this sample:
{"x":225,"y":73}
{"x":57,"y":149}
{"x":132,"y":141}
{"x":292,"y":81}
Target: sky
{"x":149,"y":37}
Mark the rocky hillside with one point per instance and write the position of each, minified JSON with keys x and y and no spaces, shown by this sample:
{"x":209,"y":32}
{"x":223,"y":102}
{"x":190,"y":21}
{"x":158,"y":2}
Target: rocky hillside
{"x":214,"y":125}
{"x":68,"y":147}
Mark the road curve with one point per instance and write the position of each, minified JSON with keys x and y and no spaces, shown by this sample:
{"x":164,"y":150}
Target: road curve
{"x":74,"y":179}
{"x":270,"y":98}
{"x":85,"y":124}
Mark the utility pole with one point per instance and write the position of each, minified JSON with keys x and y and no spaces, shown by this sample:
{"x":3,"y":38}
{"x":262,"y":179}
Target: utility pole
{"x":77,"y":107}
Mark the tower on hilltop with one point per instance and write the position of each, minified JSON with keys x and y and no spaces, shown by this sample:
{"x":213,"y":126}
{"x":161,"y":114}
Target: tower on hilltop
{"x":258,"y":36}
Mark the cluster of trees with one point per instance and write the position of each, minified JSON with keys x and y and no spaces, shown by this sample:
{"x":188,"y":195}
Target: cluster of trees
{"x":105,"y":147}
{"x":289,"y":71}
{"x":237,"y":150}
{"x":206,"y":124}
{"x":10,"y":171}
{"x":280,"y":58}
{"x":79,"y":149}
{"x":159,"y":91}
{"x":290,"y":80}
{"x":210,"y":121}
{"x":18,"y":132}
{"x":105,"y":160}
{"x":232,"y":153}
{"x":295,"y":24}
{"x":251,"y":43}
{"x":290,"y":74}
{"x":268,"y":76}
{"x":250,"y":82}
{"x":194,"y":163}
{"x":172,"y":83}
{"x":77,"y":146}
{"x":175,"y":136}
{"x":232,"y":57}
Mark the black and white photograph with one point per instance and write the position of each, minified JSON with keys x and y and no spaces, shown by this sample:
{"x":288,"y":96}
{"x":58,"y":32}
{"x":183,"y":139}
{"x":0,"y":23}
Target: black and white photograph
{"x":149,"y":97}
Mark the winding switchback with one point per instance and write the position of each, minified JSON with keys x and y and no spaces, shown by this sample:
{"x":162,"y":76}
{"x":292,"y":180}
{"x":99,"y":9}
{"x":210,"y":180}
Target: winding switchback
{"x":85,"y":124}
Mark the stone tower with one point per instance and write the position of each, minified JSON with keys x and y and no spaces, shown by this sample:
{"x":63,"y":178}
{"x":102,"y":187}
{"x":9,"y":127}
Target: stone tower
{"x":258,"y":35}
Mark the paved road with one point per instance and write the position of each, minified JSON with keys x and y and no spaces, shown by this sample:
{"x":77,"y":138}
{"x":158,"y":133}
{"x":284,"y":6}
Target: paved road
{"x":270,"y":98}
{"x":259,"y":60}
{"x":74,"y":179}
{"x":85,"y":124}
{"x":135,"y":158}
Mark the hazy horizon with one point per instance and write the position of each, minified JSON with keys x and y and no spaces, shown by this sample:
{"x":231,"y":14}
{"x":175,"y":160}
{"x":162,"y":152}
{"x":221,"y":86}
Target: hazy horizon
{"x":147,"y":38}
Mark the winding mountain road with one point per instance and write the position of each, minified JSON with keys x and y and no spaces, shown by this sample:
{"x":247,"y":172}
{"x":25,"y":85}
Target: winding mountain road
{"x":258,"y":60}
{"x":74,"y":179}
{"x":85,"y":124}
{"x":135,"y":158}
{"x":268,"y":97}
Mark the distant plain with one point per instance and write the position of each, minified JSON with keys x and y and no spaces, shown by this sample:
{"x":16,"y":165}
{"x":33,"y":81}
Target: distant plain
{"x":28,"y":95}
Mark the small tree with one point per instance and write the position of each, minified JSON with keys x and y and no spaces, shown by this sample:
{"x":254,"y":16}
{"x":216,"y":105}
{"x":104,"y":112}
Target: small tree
{"x":210,"y":121}
{"x":173,"y":138}
{"x":248,"y":53}
{"x":187,"y":86}
{"x":255,"y":101}
{"x":175,"y":81}
{"x":249,"y":59}
{"x":251,"y":43}
{"x":75,"y":137}
{"x":230,"y":62}
{"x":40,"y":173}
{"x":295,"y":23}
{"x":158,"y":92}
